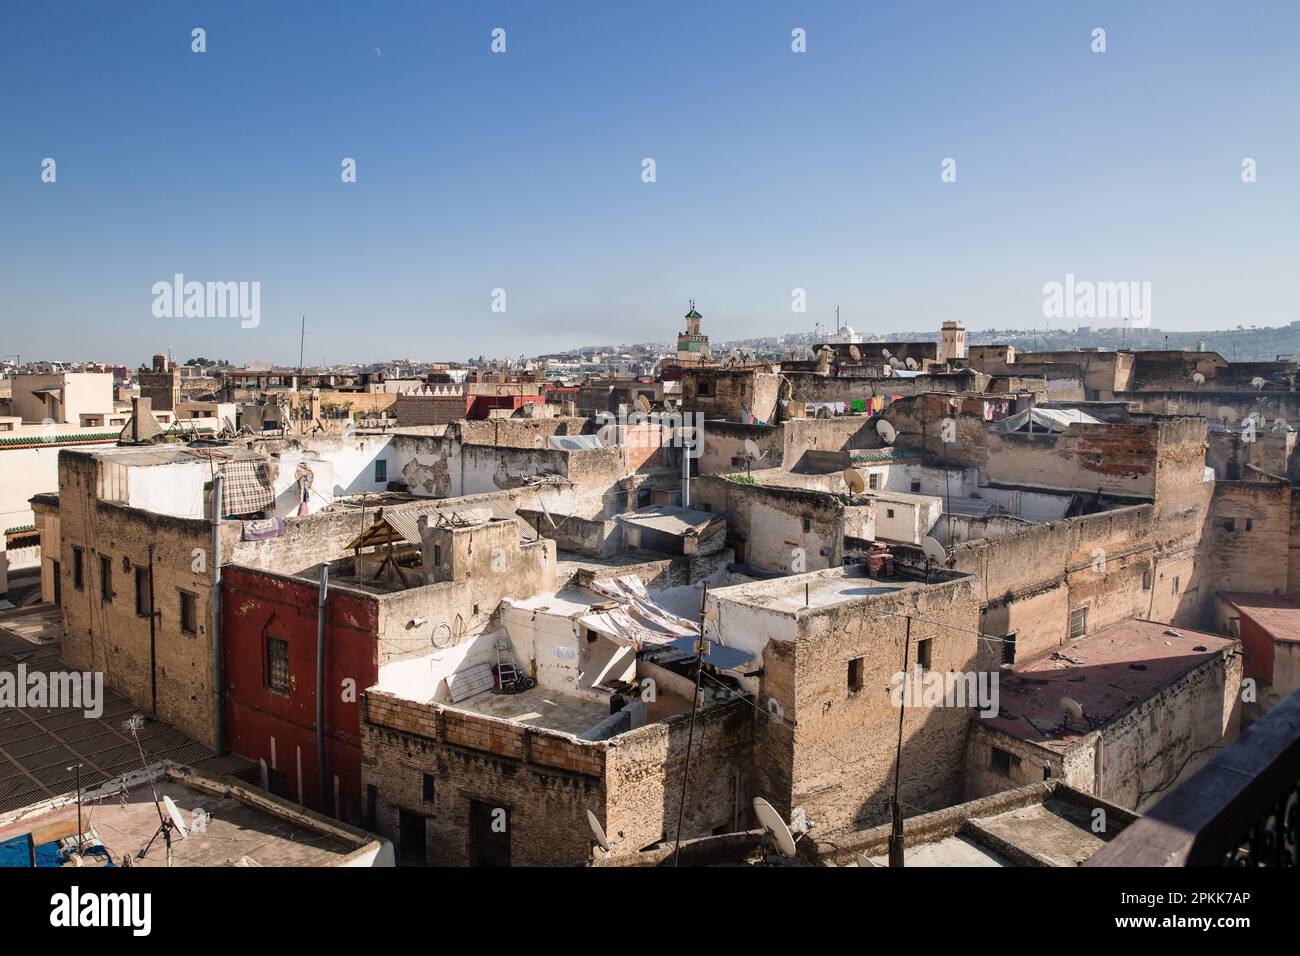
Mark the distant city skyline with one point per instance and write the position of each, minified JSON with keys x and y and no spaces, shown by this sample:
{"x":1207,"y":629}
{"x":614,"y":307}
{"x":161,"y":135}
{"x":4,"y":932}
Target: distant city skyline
{"x":517,"y":178}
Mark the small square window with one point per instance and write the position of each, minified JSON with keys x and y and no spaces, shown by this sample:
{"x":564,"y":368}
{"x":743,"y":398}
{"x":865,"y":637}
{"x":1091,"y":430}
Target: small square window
{"x":857,"y":669}
{"x":428,"y":788}
{"x":889,"y":512}
{"x":807,"y":525}
{"x":1250,"y":524}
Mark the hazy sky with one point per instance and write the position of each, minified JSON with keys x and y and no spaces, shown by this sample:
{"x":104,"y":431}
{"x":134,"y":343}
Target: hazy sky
{"x":523,"y":171}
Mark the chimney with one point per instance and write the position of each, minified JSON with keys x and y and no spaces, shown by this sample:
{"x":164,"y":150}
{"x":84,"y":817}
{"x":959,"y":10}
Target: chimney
{"x":143,"y":425}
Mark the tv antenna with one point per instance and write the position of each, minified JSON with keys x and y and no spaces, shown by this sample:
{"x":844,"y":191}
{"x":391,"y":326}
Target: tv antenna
{"x":781,"y":832}
{"x":1071,"y":709}
{"x":598,"y":832}
{"x":169,"y":815}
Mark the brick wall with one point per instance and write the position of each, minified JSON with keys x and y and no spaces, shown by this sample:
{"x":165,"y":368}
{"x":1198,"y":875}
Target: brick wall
{"x":547,"y":781}
{"x":109,"y":636}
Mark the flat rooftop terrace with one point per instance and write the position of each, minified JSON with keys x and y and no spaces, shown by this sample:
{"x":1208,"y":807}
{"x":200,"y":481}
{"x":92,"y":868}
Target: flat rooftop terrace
{"x":1107,"y":672}
{"x":566,"y":713}
{"x":234,"y":830}
{"x":822,"y":589}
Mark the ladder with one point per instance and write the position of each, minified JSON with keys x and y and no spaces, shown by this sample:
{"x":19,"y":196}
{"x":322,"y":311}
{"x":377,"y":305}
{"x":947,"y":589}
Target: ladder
{"x":507,"y":674}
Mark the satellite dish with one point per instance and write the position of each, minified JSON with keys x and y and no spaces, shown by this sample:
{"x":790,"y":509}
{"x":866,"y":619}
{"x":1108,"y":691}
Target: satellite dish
{"x":773,"y":823}
{"x":885,"y":353}
{"x":911,"y":363}
{"x":178,"y":821}
{"x":934,"y":550}
{"x":1227,"y":413}
{"x":1257,"y":382}
{"x":853,"y":479}
{"x":855,"y":353}
{"x":886,"y":432}
{"x":1198,"y":378}
{"x":1071,"y":709}
{"x":644,"y":403}
{"x":751,"y":449}
{"x":895,"y":363}
{"x":598,"y":831}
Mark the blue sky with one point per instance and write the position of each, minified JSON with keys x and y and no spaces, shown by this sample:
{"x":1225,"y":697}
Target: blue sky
{"x":522,"y":170}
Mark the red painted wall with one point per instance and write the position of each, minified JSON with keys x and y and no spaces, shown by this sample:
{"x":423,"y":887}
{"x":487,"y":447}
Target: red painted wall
{"x":481,"y":404}
{"x":256,"y":605}
{"x":1258,"y":645}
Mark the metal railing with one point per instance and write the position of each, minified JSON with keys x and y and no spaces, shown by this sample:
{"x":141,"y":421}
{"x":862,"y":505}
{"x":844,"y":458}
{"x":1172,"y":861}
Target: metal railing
{"x":1240,"y":809}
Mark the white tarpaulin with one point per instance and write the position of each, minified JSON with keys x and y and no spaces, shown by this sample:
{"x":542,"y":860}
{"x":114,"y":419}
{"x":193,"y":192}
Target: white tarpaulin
{"x":637,"y":621}
{"x":1046,"y":420}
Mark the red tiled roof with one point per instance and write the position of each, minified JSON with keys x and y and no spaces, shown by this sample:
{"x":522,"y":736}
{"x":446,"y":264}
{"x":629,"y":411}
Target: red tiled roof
{"x":1107,"y":672}
{"x":1276,"y":614}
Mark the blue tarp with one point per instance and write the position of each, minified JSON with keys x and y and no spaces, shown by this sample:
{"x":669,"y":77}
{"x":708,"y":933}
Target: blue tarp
{"x":18,"y":853}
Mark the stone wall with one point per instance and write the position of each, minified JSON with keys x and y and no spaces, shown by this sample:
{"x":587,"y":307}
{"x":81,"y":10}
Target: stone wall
{"x":546,"y":781}
{"x":779,"y":529}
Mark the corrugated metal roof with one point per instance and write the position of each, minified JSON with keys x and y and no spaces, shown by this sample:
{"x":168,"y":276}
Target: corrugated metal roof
{"x":671,"y":519}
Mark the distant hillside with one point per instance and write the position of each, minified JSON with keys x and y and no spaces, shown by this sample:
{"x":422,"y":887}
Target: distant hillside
{"x":1243,"y":344}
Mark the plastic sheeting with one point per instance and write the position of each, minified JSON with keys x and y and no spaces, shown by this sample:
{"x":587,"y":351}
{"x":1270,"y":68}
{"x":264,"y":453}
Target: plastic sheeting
{"x":1046,"y":420}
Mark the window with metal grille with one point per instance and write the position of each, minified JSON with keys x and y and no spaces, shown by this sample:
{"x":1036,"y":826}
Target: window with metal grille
{"x":277,"y":665}
{"x":1078,"y":621}
{"x":1002,"y":761}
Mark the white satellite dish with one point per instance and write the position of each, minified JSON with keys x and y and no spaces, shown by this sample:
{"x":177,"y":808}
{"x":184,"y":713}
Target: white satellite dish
{"x":1227,"y":413}
{"x":886,"y":432}
{"x":1257,"y":382}
{"x":895,"y":363}
{"x":853,"y":478}
{"x":773,"y":823}
{"x":597,"y":831}
{"x":1071,"y":709}
{"x":911,"y":363}
{"x":884,"y":353}
{"x":178,"y":821}
{"x":934,"y":550}
{"x":1198,"y":378}
{"x":751,"y":449}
